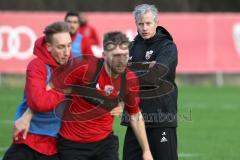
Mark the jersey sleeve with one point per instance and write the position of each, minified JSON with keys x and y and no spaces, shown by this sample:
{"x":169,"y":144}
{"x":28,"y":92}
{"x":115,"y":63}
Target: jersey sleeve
{"x":131,"y":98}
{"x":38,"y":97}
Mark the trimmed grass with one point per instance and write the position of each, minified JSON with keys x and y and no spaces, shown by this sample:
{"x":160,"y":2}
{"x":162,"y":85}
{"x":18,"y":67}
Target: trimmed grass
{"x":208,"y":122}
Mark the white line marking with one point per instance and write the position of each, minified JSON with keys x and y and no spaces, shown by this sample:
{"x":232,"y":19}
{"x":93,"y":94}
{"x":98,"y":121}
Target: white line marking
{"x":188,"y":155}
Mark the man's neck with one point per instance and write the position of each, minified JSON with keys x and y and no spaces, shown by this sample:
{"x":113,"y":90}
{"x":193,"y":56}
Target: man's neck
{"x":72,"y":34}
{"x":110,"y":72}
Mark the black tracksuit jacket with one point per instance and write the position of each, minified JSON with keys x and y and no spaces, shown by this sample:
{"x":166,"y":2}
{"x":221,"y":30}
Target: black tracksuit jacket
{"x":160,"y":110}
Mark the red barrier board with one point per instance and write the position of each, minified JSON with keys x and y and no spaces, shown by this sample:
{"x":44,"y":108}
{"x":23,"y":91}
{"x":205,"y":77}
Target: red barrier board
{"x":206,"y":42}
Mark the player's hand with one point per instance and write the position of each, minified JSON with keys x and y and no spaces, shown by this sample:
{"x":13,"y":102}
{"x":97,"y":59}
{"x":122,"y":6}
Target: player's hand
{"x":21,"y":125}
{"x":117,"y":111}
{"x":147,"y":155}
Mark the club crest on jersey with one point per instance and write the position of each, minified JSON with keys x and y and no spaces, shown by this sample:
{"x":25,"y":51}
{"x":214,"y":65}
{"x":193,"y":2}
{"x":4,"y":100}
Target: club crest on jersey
{"x":98,"y":87}
{"x":130,"y":58}
{"x":148,"y":54}
{"x":108,"y":89}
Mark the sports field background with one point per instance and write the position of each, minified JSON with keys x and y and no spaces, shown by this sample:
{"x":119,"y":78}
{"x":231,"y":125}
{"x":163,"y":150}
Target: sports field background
{"x":208,"y":129}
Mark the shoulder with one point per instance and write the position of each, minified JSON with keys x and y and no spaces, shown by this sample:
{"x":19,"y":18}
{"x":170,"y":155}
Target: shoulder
{"x":36,"y":64}
{"x":131,"y":77}
{"x":130,"y":74}
{"x":90,"y":27}
{"x":168,"y":46}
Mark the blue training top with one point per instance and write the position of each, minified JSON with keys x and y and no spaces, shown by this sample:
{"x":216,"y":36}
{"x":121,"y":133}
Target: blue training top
{"x":76,"y":50}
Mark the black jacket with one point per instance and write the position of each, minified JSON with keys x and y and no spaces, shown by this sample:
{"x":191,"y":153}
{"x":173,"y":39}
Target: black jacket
{"x":160,"y":110}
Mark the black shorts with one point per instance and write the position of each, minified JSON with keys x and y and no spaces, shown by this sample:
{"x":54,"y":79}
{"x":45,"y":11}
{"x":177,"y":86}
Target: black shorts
{"x":162,"y":142}
{"x":106,"y":149}
{"x":23,"y":152}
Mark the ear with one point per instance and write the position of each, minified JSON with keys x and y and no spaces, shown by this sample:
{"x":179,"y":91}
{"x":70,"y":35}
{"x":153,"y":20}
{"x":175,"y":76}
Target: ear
{"x":49,"y":47}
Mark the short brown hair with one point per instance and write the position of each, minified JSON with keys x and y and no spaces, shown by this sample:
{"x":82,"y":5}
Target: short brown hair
{"x":56,"y":27}
{"x":114,"y":37}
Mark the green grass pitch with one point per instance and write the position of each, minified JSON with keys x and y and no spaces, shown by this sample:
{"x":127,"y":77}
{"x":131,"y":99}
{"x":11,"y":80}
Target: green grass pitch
{"x":208,"y":127}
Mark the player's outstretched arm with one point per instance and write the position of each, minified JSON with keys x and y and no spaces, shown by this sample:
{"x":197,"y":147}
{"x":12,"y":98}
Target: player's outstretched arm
{"x":138,"y":126}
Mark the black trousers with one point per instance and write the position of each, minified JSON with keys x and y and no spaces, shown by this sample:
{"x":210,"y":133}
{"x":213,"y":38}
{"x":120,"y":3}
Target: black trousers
{"x":162,"y":141}
{"x":106,"y":149}
{"x":23,"y":152}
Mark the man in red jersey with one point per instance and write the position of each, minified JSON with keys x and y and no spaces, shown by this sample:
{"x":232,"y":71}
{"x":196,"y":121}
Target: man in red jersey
{"x":88,"y":135}
{"x":87,"y":30}
{"x":86,"y":132}
{"x":81,"y":45}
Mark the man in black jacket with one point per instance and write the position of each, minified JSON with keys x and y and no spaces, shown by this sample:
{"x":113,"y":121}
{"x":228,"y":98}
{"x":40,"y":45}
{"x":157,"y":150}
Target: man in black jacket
{"x":154,"y":46}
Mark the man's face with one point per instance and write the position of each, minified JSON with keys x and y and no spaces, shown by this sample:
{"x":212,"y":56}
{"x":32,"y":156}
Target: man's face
{"x":146,"y":25}
{"x":60,"y":47}
{"x":82,"y":19}
{"x":117,"y":59}
{"x":73,"y":23}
